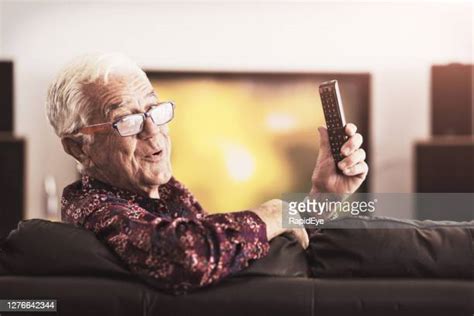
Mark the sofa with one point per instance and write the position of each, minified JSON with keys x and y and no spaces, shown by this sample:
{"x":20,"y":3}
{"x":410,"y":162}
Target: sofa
{"x":346,"y":273}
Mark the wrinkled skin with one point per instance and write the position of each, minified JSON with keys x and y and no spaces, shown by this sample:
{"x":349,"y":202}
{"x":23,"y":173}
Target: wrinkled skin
{"x":129,"y":162}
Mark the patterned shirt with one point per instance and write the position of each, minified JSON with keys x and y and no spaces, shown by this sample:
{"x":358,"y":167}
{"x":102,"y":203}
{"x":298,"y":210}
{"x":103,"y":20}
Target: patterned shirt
{"x":169,"y":240}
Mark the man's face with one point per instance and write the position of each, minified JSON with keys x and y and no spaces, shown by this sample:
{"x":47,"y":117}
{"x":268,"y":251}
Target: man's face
{"x":140,"y":162}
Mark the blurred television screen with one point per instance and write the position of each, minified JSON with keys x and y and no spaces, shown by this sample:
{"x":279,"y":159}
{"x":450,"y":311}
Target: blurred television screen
{"x":239,"y":139}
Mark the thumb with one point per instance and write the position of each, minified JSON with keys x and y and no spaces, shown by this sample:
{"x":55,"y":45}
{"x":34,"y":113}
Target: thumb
{"x":324,"y":147}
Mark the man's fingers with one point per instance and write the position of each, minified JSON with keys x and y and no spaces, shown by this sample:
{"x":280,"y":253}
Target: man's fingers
{"x":302,"y":236}
{"x":359,"y":169}
{"x":324,"y":140}
{"x":352,"y":144}
{"x":357,"y":156}
{"x":350,"y":129}
{"x":306,"y":239}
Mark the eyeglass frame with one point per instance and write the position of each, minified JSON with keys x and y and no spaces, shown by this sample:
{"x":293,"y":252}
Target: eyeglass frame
{"x":91,"y":129}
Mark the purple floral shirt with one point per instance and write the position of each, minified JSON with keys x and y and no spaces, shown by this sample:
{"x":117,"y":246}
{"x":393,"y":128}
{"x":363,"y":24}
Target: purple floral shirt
{"x":171,"y":239}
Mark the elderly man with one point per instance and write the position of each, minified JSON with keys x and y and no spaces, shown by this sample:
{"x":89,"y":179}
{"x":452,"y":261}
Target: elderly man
{"x":110,"y":120}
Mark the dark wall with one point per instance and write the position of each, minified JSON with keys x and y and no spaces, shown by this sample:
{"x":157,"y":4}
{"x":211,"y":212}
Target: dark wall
{"x":12,"y":156}
{"x":12,"y":175}
{"x":452,"y":89}
{"x":6,"y":96}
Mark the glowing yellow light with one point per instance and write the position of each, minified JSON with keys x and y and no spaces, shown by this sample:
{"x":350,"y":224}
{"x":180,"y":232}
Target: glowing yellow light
{"x":280,"y":122}
{"x":239,"y":162}
{"x":227,"y":150}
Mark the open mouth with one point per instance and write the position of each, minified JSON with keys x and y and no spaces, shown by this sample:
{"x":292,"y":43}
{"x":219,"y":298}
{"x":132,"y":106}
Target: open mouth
{"x":155,"y":156}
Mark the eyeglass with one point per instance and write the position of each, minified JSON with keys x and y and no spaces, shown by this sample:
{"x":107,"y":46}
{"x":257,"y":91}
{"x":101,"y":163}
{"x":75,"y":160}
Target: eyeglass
{"x":132,"y":124}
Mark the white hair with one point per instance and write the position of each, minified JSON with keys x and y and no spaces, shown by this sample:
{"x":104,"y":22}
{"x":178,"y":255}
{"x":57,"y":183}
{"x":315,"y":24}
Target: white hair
{"x":67,"y":107}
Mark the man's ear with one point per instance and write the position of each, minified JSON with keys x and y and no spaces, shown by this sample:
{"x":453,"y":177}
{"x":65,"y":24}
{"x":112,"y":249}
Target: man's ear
{"x":75,"y":147}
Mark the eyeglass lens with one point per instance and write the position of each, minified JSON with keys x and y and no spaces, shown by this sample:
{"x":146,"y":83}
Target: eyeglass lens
{"x":133,"y":124}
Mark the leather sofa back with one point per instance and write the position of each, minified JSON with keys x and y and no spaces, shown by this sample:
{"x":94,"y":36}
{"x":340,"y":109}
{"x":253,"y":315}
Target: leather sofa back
{"x":41,"y":247}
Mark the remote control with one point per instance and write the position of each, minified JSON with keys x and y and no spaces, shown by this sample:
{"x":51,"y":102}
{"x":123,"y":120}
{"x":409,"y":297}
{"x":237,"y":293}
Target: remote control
{"x":334,"y":114}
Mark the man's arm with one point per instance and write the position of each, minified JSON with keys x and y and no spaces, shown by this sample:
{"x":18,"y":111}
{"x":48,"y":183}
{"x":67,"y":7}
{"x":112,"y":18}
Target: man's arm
{"x":180,"y":254}
{"x":177,"y":191}
{"x":269,"y":212}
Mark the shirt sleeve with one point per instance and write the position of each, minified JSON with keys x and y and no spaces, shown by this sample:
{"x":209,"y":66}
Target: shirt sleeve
{"x":184,"y":253}
{"x":175,"y":190}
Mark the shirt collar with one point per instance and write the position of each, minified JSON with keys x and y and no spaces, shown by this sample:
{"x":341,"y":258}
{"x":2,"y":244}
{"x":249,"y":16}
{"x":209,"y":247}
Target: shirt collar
{"x":91,"y":184}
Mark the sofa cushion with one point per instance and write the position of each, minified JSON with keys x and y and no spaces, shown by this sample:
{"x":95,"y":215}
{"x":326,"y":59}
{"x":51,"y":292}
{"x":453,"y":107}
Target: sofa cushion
{"x":96,"y":296}
{"x":41,"y":247}
{"x":388,"y":247}
{"x":286,"y":258}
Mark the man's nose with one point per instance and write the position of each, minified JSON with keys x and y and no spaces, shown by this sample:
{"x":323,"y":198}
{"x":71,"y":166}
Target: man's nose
{"x":150,"y":129}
